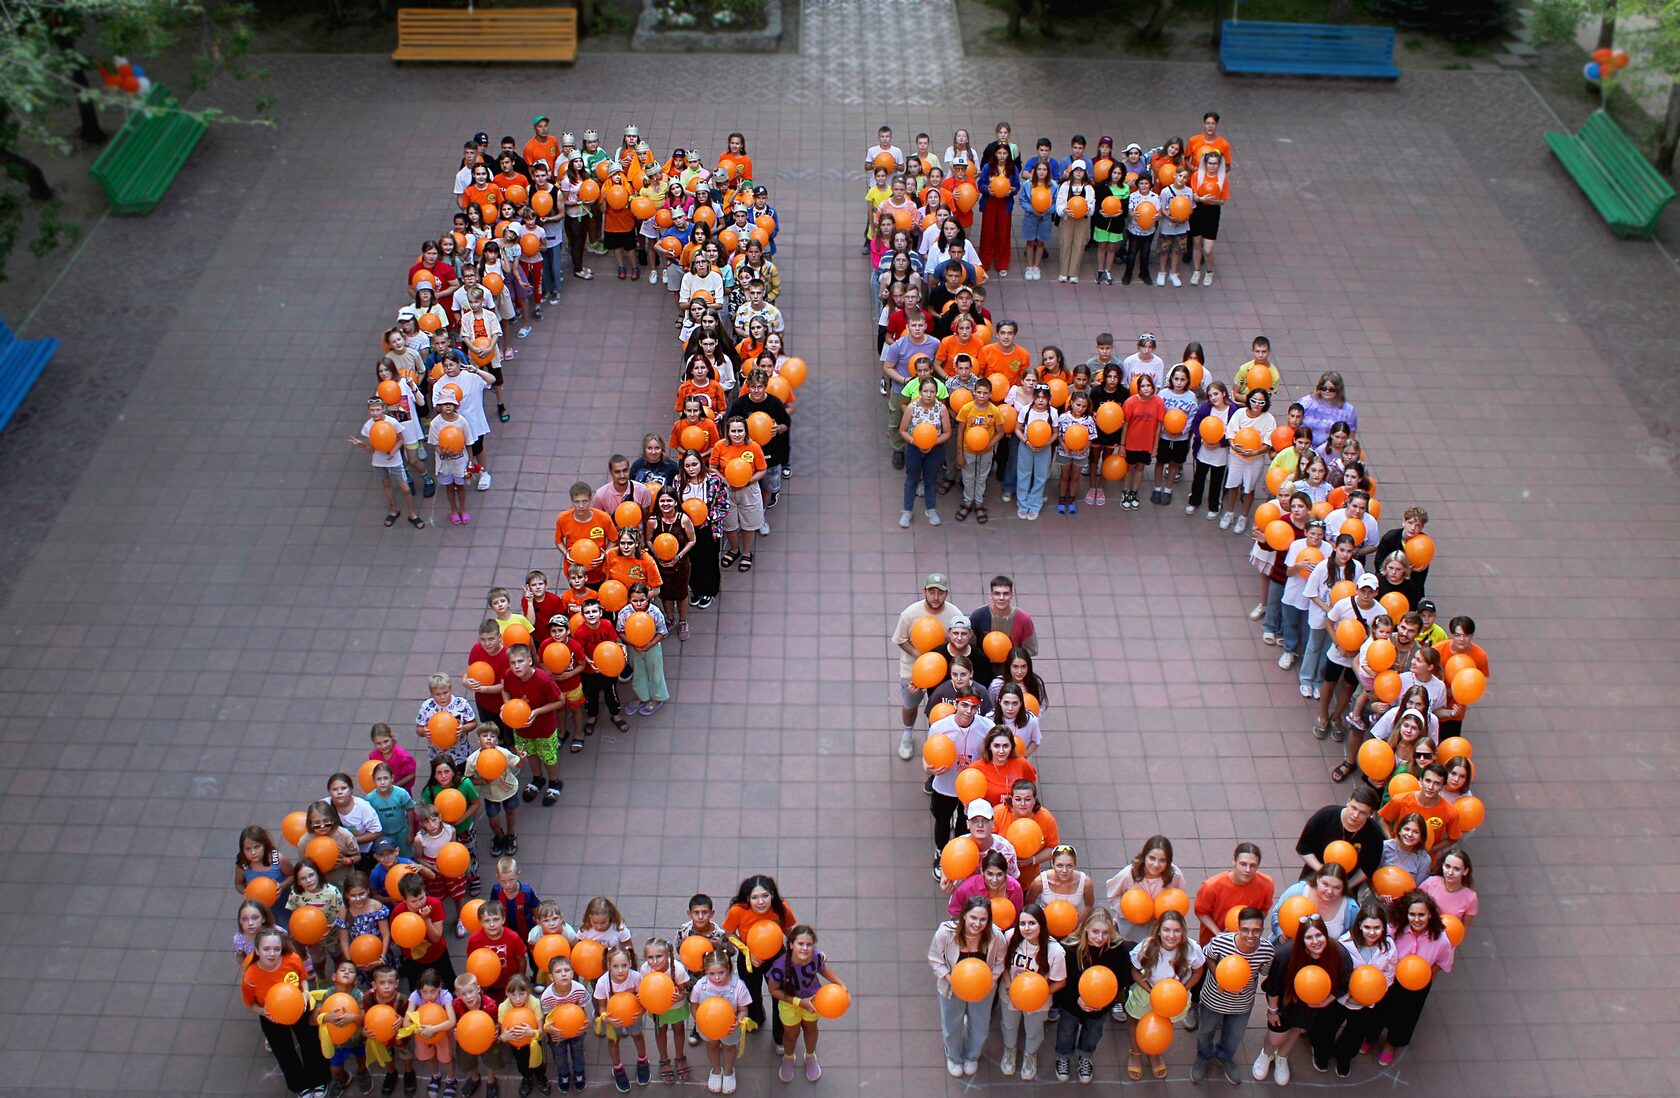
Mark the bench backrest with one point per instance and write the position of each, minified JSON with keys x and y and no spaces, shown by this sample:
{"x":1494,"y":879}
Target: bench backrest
{"x":1307,"y":40}
{"x":1630,"y":172}
{"x":145,"y":136}
{"x":445,"y":27}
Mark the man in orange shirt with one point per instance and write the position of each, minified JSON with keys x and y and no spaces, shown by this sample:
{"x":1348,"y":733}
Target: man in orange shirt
{"x":1460,"y":641}
{"x":1426,"y":801}
{"x":1004,"y":356}
{"x":1243,"y":885}
{"x":1208,"y":139}
{"x":542,"y":146}
{"x":585,"y":521}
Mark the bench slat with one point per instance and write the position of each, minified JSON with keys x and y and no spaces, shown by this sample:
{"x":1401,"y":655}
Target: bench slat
{"x":22,"y":362}
{"x":146,"y":155}
{"x":513,"y":34}
{"x":1627,"y":191}
{"x":1310,"y":49}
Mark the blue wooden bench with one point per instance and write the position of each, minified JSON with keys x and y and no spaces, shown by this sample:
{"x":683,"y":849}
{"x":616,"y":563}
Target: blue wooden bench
{"x":1307,"y":49}
{"x":21,"y":362}
{"x":147,"y":154}
{"x":1621,"y":184}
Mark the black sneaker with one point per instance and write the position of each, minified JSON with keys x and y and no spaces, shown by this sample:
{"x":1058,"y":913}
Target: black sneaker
{"x":1061,"y":1069}
{"x":1086,"y":1074}
{"x":1126,"y":278}
{"x":543,"y":1083}
{"x":1343,"y":1070}
{"x":389,"y":1086}
{"x":775,"y":497}
{"x":898,"y":459}
{"x":693,"y":1036}
{"x":526,"y":1086}
{"x":1320,"y":1066}
{"x":620,"y":1079}
{"x":883,"y":386}
{"x":644,"y":1072}
{"x":787,"y":468}
{"x":364,"y":1081}
{"x":430,"y":487}
{"x":552,"y":794}
{"x":411,"y":1084}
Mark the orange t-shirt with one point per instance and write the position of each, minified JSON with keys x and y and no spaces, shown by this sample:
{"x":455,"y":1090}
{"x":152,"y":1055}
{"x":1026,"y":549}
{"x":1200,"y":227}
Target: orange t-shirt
{"x":1200,"y":142}
{"x":255,"y":984}
{"x":1477,"y":653}
{"x":747,"y":349}
{"x":504,"y":180}
{"x":724,"y":453}
{"x":707,"y":425}
{"x":598,"y":527}
{"x":742,"y":918}
{"x":1000,"y":780}
{"x":1046,"y":823}
{"x":950,"y":347}
{"x":571,"y":602}
{"x":744,"y":168}
{"x":1211,"y":186}
{"x":1012,"y":364}
{"x":1442,"y":817}
{"x":711,"y":395}
{"x":542,"y":148}
{"x":478,"y":195}
{"x":618,"y":221}
{"x":629,"y":570}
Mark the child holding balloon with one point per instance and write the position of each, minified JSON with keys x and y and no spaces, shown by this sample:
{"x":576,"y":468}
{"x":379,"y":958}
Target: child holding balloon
{"x":380,"y":436}
{"x":339,"y":1007}
{"x":620,"y":977}
{"x":1075,"y":428}
{"x":563,"y":1025}
{"x":722,"y":1045}
{"x":430,"y":838}
{"x":275,"y":989}
{"x":668,"y":1025}
{"x":1145,"y":411}
{"x":646,"y":657}
{"x":794,"y":980}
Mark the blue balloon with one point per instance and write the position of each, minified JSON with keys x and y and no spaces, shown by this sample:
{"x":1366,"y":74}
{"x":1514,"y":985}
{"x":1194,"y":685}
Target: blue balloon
{"x":138,"y":71}
{"x":1591,"y":71}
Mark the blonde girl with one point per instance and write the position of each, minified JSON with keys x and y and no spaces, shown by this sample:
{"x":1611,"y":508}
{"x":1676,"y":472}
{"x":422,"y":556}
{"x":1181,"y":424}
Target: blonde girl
{"x":668,"y":1027}
{"x":1168,"y":953}
{"x":720,"y":982}
{"x":621,"y":976}
{"x":602,"y":923}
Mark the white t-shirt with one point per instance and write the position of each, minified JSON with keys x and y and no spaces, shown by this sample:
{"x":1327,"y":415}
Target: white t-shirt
{"x":382,"y":460}
{"x":1164,"y":968}
{"x":1318,"y":587}
{"x":712,"y":284}
{"x":1436,"y":688}
{"x":472,"y":388}
{"x":969,"y":743}
{"x":876,"y":150}
{"x":362,"y":819}
{"x":1024,"y":958}
{"x":1264,"y":423}
{"x":1295,"y":584}
{"x":1169,"y":227}
{"x":1135,"y":365}
{"x":1185,"y":402}
{"x":1333,"y":526}
{"x":450,"y":466}
{"x":1216,"y":457}
{"x":1339,"y":613}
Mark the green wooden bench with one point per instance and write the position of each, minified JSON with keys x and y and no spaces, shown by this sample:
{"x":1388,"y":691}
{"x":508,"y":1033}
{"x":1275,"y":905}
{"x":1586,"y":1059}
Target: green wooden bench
{"x":1615,"y":176}
{"x":147,"y":154}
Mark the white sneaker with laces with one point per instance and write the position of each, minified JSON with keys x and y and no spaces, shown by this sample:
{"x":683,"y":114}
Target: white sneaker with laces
{"x":1306,"y":691}
{"x":906,"y":745}
{"x":1174,"y":279}
{"x":1006,"y":1063}
{"x":1225,"y":520}
{"x":1280,"y":1071}
{"x":1207,"y":279}
{"x":1287,"y":660}
{"x":955,"y":1068}
{"x":1262,"y":1065}
{"x":1160,"y":278}
{"x":764,"y":531}
{"x":1211,"y":515}
{"x":1195,"y":278}
{"x":1189,"y":508}
{"x":1257,"y":613}
{"x":1240,"y":525}
{"x":971,"y":1067}
{"x":1061,"y":278}
{"x":933,"y":518}
{"x":904,"y":520}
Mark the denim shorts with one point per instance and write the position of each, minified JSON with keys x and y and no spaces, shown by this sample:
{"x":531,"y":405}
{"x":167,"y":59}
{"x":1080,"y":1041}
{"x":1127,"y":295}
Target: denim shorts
{"x":1035,"y":226}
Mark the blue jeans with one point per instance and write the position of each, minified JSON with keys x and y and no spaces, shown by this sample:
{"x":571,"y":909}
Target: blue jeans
{"x":1007,"y":452}
{"x":567,"y":1055}
{"x":1032,"y":470}
{"x":1083,"y":1032}
{"x":1294,"y":628}
{"x":1312,"y":664}
{"x":552,"y":276}
{"x":1220,"y":1037}
{"x":1273,"y":620}
{"x":925,"y":468}
{"x":964,"y":1025}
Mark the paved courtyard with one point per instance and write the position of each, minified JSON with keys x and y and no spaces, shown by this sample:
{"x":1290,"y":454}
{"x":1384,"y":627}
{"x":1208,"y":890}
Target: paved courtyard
{"x":203,"y":614}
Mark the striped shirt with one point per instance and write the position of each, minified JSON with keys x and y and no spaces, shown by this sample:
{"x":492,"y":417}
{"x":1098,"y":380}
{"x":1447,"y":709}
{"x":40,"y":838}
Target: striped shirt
{"x":1216,"y":998}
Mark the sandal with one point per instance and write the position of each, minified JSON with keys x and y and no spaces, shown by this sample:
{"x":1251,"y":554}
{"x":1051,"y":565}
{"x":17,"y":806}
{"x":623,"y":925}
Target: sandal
{"x":727,"y":559}
{"x":1157,"y":1067}
{"x":391,"y":519}
{"x":945,"y":486}
{"x":980,"y":516}
{"x":589,"y":728}
{"x":746,"y":562}
{"x":417,"y":522}
{"x":681,"y":1063}
{"x":575,"y":746}
{"x":620,"y":723}
{"x":1134,"y":1065}
{"x":666,"y":1074}
{"x":1340,"y":774}
{"x":963,"y":512}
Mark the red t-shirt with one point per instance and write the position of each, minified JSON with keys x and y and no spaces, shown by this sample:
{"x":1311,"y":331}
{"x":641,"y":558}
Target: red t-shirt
{"x":511,"y":951}
{"x":537,"y":691}
{"x":544,"y":608}
{"x":900,"y":320}
{"x":429,"y":908}
{"x":499,"y":661}
{"x":589,"y":636}
{"x":569,"y":681}
{"x":486,"y":1003}
{"x":1219,"y":895}
{"x":1143,"y":422}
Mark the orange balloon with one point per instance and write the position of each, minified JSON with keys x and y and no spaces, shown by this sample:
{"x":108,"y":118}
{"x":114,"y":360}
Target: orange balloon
{"x":831,"y":1000}
{"x":938,"y":752}
{"x":1391,"y":881}
{"x":1312,"y":985}
{"x":264,"y":890}
{"x":1172,"y":899}
{"x":693,"y":438}
{"x":1291,"y":912}
{"x":1168,"y":998}
{"x":1006,"y":418}
{"x":1076,"y":438}
{"x":1212,"y":430}
{"x":1137,"y":906}
{"x":1279,"y":534}
{"x":1154,"y":1034}
{"x":1350,"y":634}
{"x":395,"y":878}
{"x":515,"y":194}
{"x":1248,"y":438}
{"x":515,"y":1017}
{"x":639,"y":628}
{"x":1173,"y":423}
{"x":475,"y":1031}
{"x":765,"y":940}
{"x":1413,"y":972}
{"x":284,"y":1002}
{"x":1456,"y":663}
{"x":494,"y":283}
{"x":958,"y":400}
{"x":452,"y":803}
{"x":1454,"y":927}
{"x":1259,"y":376}
{"x":666,"y":547}
{"x":1032,"y":701}
{"x":779,"y":388}
{"x":1342,"y":589}
{"x":383,"y":437}
{"x":928,"y":671}
{"x":927,"y":633}
{"x":390,"y":392}
{"x":628,"y":514}
{"x":548,"y":947}
{"x":1026,"y":837}
{"x":1003,"y":912}
{"x":971,"y":785}
{"x":1282,"y":437}
{"x":614,"y":596}
{"x":1395,"y":604}
{"x":485,"y":964}
{"x":1420,"y":550}
{"x":323,"y":851}
{"x":408,"y":930}
{"x":940,"y":712}
{"x":656,"y":993}
{"x":380,"y":1023}
{"x":1233,"y":973}
{"x":584,"y":551}
{"x":516,"y":634}
{"x":308,"y":925}
{"x":557,"y":658}
{"x":760,"y":428}
{"x":366,"y":949}
{"x":1180,"y":208}
{"x":794,"y":370}
{"x":971,"y":980}
{"x":1342,"y":853}
{"x":1061,"y":918}
{"x":482,"y":673}
{"x":617,"y":197}
{"x":443,"y":729}
{"x":977,"y":439}
{"x":1029,"y":991}
{"x":492,"y":212}
{"x":715,"y":1017}
{"x":1098,"y":987}
{"x":530,"y":243}
{"x":641,"y":208}
{"x":1233,"y":918}
{"x":1366,"y":985}
{"x":454,"y":860}
{"x":589,"y":958}
{"x":1353,"y":528}
{"x":294,"y":825}
{"x":999,"y":186}
{"x":516,"y":713}
{"x":693,"y":952}
{"x":739,"y":472}
{"x":1451,"y":748}
{"x":959,"y":859}
{"x":568,"y":1020}
{"x":1110,"y":206}
{"x":1038,"y":434}
{"x":1266,"y":514}
{"x":1146,"y":214}
{"x":1381,"y":655}
{"x":1078,"y":207}
{"x":996,"y":645}
{"x":623,"y":1010}
{"x":430,"y":322}
{"x":1468,"y":686}
{"x":1042,"y":199}
{"x":1376,"y":760}
{"x":543,"y":203}
{"x":1471,"y":812}
{"x":1401,"y":784}
{"x":609,"y":658}
{"x":966,"y":195}
{"x":1275,"y":476}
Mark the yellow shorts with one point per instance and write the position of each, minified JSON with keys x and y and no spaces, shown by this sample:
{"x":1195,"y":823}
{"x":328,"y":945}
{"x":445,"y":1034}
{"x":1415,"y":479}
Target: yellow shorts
{"x":793,"y":1015}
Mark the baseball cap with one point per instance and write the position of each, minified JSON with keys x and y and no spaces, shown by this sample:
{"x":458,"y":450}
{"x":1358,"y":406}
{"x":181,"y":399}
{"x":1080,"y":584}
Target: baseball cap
{"x":481,"y":138}
{"x":961,"y":622}
{"x":960,"y":158}
{"x":407,"y":311}
{"x":1368,"y":580}
{"x":1427,"y":605}
{"x":937,"y":579}
{"x":761,"y":190}
{"x":539,"y":118}
{"x":980,"y":808}
{"x":380,"y":846}
{"x":1133,"y":147}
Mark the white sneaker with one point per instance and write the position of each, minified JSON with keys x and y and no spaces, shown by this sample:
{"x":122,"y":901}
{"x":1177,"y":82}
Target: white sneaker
{"x":1061,"y":278}
{"x":764,"y":531}
{"x":1257,"y":613}
{"x":484,"y":481}
{"x":1007,"y":1063}
{"x":933,"y":518}
{"x":1207,"y":279}
{"x":1029,"y":1068}
{"x":1306,"y":691}
{"x":1287,"y":660}
{"x":955,"y":1068}
{"x":906,"y":745}
{"x":971,"y":1067}
{"x":1189,"y":508}
{"x":1240,"y":525}
{"x":1225,"y":520}
{"x":460,"y":929}
{"x":1195,"y":278}
{"x":904,"y":520}
{"x":1318,"y":691}
{"x":1074,"y":281}
{"x":1175,"y":280}
{"x":1262,"y":1065}
{"x":1211,"y":515}
{"x":1007,"y":497}
{"x":1280,"y":1073}
{"x":1160,"y":278}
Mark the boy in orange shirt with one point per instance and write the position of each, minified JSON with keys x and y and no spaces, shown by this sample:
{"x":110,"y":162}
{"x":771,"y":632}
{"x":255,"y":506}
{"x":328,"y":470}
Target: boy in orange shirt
{"x":618,"y":228}
{"x":585,"y":521}
{"x":960,"y":341}
{"x":976,"y":466}
{"x":1004,"y":356}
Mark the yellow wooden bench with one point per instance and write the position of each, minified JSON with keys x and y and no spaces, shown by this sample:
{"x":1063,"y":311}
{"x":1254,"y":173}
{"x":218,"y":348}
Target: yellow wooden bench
{"x":497,"y":34}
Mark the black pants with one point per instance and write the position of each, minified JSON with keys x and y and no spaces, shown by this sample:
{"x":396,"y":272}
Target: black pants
{"x":1137,"y":254}
{"x":1339,"y":1032}
{"x":1213,"y":476}
{"x":596,"y":687}
{"x":756,"y":1010}
{"x":944,"y":811}
{"x":1401,"y":1010}
{"x":704,"y":576}
{"x":297,"y":1049}
{"x":410,"y":970}
{"x":576,"y":238}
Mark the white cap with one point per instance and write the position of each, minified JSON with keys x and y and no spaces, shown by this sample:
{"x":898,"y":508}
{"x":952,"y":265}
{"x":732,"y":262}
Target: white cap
{"x":1368,"y":580}
{"x":980,"y":808}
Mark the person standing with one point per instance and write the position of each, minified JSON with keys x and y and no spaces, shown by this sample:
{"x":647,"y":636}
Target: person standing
{"x":1001,"y":616}
{"x":936,"y":591}
{"x":1226,"y":1012}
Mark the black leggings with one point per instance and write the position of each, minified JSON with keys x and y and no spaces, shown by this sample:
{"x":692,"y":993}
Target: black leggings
{"x":575,"y":240}
{"x":1338,"y":1033}
{"x":1213,"y":476}
{"x":704,"y":577}
{"x":596,"y":687}
{"x":944,"y":811}
{"x":297,"y":1049}
{"x":1401,"y":1010}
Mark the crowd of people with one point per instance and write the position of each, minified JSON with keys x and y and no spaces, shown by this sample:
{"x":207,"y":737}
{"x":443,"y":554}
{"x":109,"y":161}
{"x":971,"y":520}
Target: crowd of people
{"x":344,"y":934}
{"x":1345,"y":956}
